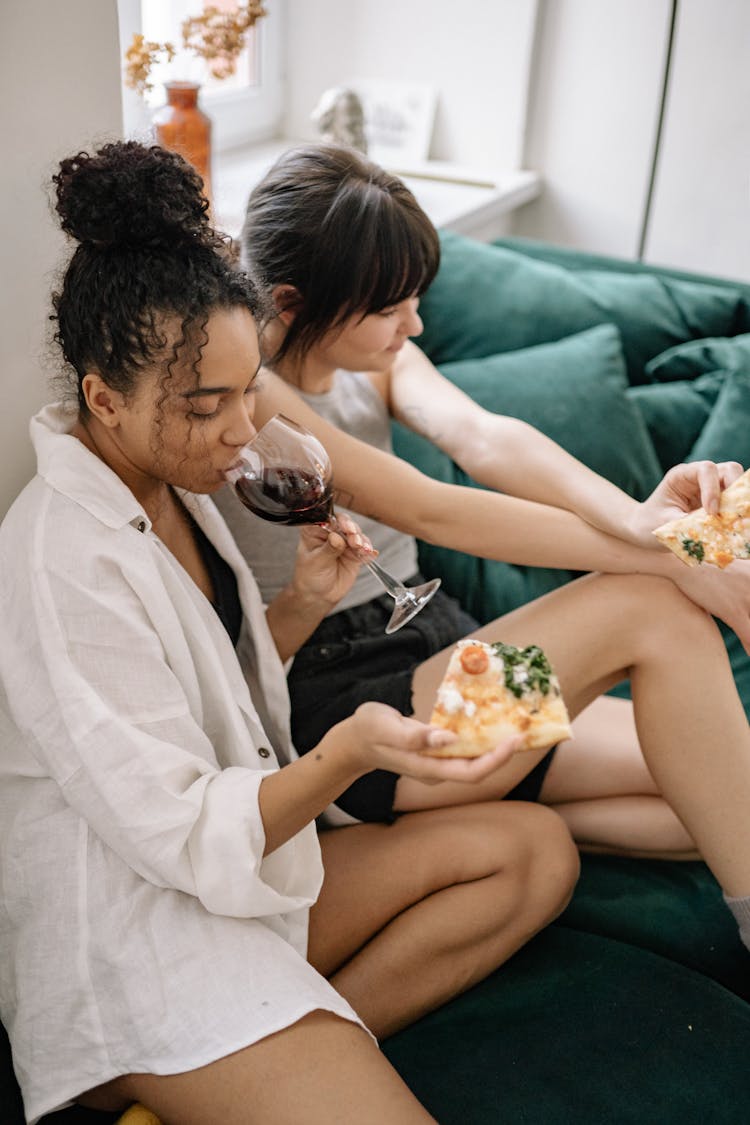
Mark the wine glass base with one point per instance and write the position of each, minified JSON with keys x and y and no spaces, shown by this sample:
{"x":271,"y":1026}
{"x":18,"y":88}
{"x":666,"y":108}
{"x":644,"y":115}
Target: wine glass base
{"x":409,"y":604}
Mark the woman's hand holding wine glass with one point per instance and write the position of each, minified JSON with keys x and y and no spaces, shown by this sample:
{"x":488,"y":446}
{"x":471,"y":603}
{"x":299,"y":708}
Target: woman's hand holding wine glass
{"x":328,"y":559}
{"x":284,"y":475}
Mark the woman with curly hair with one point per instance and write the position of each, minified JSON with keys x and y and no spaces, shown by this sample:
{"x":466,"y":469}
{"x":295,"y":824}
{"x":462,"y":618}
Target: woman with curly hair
{"x":174,"y":929}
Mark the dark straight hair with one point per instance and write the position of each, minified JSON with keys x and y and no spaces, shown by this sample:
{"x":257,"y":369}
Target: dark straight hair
{"x":348,"y":236}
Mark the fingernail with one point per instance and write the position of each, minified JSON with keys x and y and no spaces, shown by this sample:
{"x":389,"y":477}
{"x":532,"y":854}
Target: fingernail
{"x":440,"y":737}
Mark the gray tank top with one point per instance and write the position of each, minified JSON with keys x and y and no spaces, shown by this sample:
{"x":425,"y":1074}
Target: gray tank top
{"x":353,"y":405}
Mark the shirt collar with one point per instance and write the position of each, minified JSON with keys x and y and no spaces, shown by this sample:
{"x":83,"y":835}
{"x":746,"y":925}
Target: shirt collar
{"x":73,"y":470}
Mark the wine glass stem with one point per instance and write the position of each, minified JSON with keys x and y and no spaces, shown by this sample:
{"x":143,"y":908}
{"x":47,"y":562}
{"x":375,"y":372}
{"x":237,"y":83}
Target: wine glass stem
{"x":396,"y":589}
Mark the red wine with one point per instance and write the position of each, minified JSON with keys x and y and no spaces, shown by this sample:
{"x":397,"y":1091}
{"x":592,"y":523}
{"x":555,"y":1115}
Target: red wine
{"x":289,"y":496}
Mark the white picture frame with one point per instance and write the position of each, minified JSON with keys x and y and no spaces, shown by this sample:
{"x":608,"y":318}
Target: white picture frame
{"x":399,"y":119}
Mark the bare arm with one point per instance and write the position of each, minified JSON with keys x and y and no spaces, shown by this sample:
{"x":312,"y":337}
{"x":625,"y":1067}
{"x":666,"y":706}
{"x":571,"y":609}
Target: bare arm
{"x":501,"y":452}
{"x":507,"y":454}
{"x":375,"y":736}
{"x":493,"y":525}
{"x":325,"y":569}
{"x":485,"y":523}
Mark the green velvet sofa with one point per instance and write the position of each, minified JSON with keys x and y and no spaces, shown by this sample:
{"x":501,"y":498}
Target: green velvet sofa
{"x":633,"y":1006}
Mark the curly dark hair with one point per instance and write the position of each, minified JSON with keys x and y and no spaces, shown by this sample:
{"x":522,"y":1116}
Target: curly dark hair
{"x":348,"y":236}
{"x":146,"y":252}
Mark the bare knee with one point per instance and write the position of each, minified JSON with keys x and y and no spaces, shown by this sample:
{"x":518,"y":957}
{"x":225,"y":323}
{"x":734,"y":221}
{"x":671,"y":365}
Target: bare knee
{"x":654,"y":612}
{"x":555,"y":862}
{"x":537,"y":854}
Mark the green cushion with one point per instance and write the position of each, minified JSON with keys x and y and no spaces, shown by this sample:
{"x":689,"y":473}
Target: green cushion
{"x":686,"y":373}
{"x":488,"y":299}
{"x":726,"y":434}
{"x":675,"y":413}
{"x":527,"y":384}
{"x":555,"y":387}
{"x":671,"y":908}
{"x":573,"y":258}
{"x":687,"y":361}
{"x":581,"y":1029}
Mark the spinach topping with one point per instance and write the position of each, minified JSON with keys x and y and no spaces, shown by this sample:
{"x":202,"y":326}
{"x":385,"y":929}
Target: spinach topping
{"x":693,"y":547}
{"x":532,"y":659}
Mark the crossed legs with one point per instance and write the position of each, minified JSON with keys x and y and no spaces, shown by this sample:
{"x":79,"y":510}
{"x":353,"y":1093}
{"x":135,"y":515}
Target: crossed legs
{"x":692,"y":742}
{"x":410,"y":914}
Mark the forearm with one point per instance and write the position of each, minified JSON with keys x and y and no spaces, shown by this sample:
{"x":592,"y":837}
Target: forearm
{"x":512,"y":457}
{"x":526,"y":533}
{"x":293,"y":796}
{"x":476,"y":521}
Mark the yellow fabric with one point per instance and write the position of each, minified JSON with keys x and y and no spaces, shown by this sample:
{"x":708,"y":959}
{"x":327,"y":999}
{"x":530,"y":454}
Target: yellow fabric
{"x":138,"y":1115}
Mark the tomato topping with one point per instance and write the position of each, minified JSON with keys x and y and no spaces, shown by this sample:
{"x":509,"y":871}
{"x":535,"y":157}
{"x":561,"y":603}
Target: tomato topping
{"x":474,"y":660}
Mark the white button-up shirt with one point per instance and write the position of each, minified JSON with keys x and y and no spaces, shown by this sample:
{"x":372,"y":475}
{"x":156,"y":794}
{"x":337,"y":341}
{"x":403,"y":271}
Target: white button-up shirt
{"x":141,"y":927}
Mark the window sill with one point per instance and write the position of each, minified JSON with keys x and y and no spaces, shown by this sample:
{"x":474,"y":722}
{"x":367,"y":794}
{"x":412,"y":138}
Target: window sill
{"x":459,"y":199}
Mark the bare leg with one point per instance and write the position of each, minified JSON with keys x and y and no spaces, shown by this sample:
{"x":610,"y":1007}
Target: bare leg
{"x":413,"y":913}
{"x":598,"y":782}
{"x":321,"y":1070}
{"x":410,"y":914}
{"x":638,"y":827}
{"x":600,"y":785}
{"x":690,"y":721}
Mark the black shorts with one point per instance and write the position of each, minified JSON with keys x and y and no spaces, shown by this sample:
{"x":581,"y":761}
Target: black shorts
{"x":349,"y":660}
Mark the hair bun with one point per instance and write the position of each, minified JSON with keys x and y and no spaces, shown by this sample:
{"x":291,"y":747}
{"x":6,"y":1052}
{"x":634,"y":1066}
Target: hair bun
{"x":130,"y":193}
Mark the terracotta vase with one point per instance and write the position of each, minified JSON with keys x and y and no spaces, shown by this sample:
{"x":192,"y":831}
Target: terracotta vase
{"x":181,"y":125}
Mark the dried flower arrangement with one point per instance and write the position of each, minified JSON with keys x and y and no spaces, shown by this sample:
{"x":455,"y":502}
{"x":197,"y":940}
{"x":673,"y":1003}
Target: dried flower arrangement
{"x":216,"y":35}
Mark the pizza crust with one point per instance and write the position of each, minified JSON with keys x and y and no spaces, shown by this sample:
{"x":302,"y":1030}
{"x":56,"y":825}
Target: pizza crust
{"x":716,"y":539}
{"x":483,"y":711}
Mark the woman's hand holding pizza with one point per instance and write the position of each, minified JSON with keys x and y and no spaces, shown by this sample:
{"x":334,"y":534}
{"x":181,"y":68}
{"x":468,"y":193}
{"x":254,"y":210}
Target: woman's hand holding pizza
{"x":382,"y":738}
{"x":683,"y":489}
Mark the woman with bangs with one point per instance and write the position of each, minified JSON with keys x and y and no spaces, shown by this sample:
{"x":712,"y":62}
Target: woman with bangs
{"x":341,"y":251}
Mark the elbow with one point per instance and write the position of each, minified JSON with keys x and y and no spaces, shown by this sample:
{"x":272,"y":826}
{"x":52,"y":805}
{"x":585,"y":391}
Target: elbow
{"x":495,"y":440}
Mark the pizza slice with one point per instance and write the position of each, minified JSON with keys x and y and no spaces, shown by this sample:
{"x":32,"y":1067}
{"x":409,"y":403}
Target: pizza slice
{"x":702,"y":538}
{"x":491,"y":691}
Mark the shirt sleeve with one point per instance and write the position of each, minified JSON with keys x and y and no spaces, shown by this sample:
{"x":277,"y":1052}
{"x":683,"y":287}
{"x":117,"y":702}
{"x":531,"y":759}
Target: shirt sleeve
{"x":95,"y":694}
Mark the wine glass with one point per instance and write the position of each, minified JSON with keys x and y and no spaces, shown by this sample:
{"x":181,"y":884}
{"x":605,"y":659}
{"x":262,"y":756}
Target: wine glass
{"x":284,"y":475}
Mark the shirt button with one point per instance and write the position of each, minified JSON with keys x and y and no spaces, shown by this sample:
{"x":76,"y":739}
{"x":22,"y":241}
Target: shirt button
{"x":264,"y":752}
{"x":324,"y":651}
{"x":142,"y":525}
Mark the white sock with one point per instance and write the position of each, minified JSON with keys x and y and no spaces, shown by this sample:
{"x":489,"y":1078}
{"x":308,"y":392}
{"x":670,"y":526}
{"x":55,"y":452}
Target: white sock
{"x":740,"y":907}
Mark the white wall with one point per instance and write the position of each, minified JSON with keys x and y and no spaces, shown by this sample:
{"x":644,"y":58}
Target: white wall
{"x":59,"y":66}
{"x":592,"y":123}
{"x":477,"y":52}
{"x":593,"y":120}
{"x":700,"y":217}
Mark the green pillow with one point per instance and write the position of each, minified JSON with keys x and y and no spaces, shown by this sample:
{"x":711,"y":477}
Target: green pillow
{"x":675,"y":413}
{"x":686,"y":361}
{"x":573,"y":390}
{"x":726,"y":434}
{"x":488,"y":299}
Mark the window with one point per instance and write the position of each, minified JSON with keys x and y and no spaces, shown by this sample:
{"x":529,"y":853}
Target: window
{"x":245,"y":108}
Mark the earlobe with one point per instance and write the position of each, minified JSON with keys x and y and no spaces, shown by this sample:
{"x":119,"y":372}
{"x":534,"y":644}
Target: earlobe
{"x":286,"y":300}
{"x":101,"y":400}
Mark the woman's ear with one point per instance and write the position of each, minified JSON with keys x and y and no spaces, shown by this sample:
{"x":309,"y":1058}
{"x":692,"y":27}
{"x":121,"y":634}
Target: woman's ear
{"x":287,"y":301}
{"x":102,"y":401}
